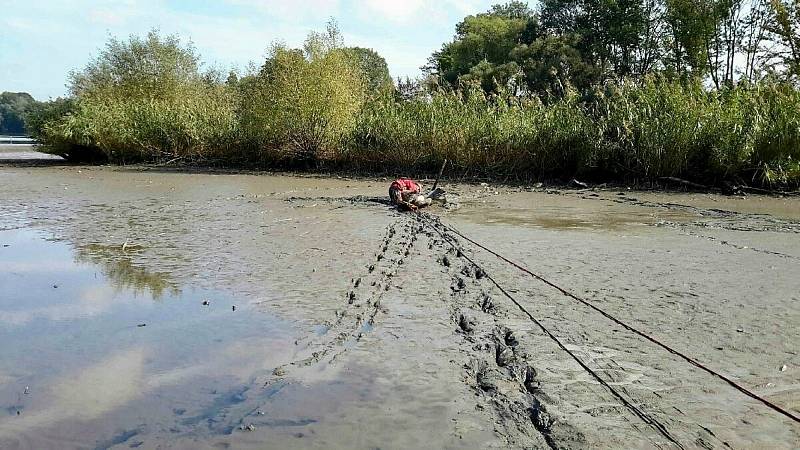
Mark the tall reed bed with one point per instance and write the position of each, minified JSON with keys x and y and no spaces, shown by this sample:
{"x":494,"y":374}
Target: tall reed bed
{"x":625,"y":130}
{"x":489,"y":136}
{"x":148,"y":100}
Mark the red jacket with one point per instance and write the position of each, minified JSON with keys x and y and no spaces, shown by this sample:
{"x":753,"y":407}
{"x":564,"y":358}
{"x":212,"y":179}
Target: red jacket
{"x":405,"y":184}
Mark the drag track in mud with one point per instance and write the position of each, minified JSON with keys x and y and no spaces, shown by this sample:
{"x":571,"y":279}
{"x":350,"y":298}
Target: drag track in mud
{"x":392,"y":330}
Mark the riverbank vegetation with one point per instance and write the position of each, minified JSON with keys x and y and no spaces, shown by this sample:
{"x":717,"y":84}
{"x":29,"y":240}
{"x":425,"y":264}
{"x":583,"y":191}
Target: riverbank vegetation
{"x":14,"y":106}
{"x":613,"y":90}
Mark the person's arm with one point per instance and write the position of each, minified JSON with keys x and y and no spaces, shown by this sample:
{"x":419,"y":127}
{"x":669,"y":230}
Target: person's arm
{"x":401,"y":201}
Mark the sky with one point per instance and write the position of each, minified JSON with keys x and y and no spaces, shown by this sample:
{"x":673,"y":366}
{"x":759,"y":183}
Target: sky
{"x":41,"y":41}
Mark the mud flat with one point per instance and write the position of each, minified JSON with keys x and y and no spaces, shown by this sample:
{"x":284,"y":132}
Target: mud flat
{"x":356,"y":326}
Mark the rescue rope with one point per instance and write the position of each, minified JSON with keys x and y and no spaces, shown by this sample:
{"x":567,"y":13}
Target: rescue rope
{"x":658,"y":426}
{"x":619,"y":322}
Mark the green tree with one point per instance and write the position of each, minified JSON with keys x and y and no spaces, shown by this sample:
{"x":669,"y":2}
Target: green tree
{"x":551,"y":64}
{"x":44,"y":113}
{"x":785,"y":29}
{"x":373,"y":67}
{"x":302,"y":103}
{"x":482,"y":46}
{"x":145,"y":99}
{"x":154,"y":66}
{"x":13,"y":108}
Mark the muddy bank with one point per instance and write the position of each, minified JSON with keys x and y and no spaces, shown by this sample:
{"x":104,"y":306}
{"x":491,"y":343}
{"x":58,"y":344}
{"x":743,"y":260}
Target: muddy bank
{"x":377,"y":332}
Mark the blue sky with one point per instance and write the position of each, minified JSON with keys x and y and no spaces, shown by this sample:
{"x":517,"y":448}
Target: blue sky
{"x":42,"y":40}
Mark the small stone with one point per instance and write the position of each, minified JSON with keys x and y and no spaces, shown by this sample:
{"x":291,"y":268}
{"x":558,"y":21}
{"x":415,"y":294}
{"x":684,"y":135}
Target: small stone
{"x":486,"y":380}
{"x":27,"y":390}
{"x":233,"y":307}
{"x":445,"y":261}
{"x":206,"y":302}
{"x":510,"y":339}
{"x":279,"y":372}
{"x":740,"y":330}
{"x":486,"y":304}
{"x":783,"y":368}
{"x":141,"y":325}
{"x":55,"y":286}
{"x":250,"y":427}
{"x":466,"y":323}
{"x":531,"y":383}
{"x":479,"y":273}
{"x":541,"y":419}
{"x":503,"y":356}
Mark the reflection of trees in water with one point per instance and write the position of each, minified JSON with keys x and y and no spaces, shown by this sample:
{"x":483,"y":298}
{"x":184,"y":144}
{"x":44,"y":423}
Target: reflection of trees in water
{"x":117,"y":265}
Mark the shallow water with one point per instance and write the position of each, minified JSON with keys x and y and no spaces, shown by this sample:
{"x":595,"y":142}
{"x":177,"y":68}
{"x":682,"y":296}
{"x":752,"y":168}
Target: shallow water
{"x":563,"y":212}
{"x":93,"y":355}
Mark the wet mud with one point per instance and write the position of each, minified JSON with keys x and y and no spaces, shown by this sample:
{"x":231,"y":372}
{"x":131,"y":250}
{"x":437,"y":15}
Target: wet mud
{"x":347,"y":324}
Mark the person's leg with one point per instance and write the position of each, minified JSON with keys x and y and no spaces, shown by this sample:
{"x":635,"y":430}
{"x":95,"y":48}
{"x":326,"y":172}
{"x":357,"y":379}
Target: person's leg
{"x":394,"y":195}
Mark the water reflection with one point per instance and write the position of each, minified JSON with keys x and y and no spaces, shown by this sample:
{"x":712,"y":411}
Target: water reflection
{"x":88,"y":359}
{"x":117,"y":266}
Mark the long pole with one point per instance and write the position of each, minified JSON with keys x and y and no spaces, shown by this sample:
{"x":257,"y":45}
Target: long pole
{"x":436,"y":182}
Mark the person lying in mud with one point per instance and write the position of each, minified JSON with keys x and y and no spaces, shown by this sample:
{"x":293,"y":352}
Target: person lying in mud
{"x":407,"y":194}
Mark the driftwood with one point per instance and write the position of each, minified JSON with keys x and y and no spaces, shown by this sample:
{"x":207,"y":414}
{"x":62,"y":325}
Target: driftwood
{"x":769,"y":191}
{"x":580,"y":184}
{"x":732,"y":189}
{"x":685,"y":182}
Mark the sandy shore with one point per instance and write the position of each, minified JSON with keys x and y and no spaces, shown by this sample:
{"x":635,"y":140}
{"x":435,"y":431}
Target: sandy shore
{"x":399,"y":341}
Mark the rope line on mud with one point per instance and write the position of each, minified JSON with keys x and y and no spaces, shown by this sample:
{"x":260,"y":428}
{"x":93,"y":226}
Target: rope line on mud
{"x":633,"y":408}
{"x":666,"y":347}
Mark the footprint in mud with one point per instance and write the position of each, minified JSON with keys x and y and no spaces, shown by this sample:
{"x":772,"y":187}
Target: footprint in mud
{"x":362,"y":303}
{"x":499,"y":371}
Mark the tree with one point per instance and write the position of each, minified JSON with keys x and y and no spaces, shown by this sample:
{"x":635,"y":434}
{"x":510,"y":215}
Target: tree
{"x":482,"y":46}
{"x":144,"y":98}
{"x":784,"y":27}
{"x":44,"y":113}
{"x":373,"y":67}
{"x":302,"y":102}
{"x":155,"y":66}
{"x":13,"y":108}
{"x":551,"y":64}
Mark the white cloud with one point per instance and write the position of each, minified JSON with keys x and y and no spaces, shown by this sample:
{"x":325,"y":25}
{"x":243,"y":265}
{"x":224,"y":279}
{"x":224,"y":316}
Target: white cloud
{"x":409,"y":11}
{"x":227,"y":33}
{"x":293,"y":10}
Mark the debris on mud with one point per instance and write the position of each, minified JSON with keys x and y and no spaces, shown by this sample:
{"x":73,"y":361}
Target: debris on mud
{"x":503,"y":355}
{"x":486,"y":304}
{"x":466,"y":322}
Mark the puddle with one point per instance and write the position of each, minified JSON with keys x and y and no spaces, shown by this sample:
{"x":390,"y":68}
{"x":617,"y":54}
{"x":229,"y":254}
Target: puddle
{"x":97,"y":350}
{"x":564,"y":213}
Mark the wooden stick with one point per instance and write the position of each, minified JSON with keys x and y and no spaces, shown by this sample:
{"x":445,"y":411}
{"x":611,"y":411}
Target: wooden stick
{"x":436,"y":182}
